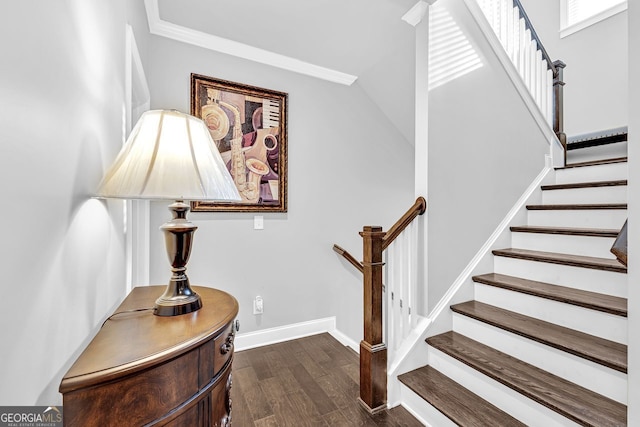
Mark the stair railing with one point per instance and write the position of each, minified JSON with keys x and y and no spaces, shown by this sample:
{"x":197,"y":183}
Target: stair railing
{"x":402,"y":291}
{"x":542,"y":76}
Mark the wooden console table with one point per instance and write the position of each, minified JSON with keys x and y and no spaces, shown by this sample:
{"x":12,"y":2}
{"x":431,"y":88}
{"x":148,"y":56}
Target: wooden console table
{"x":146,"y":370}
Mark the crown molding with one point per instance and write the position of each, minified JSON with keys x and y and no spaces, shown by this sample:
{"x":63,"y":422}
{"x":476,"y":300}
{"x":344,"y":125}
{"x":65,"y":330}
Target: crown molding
{"x":415,"y":15}
{"x":208,"y":41}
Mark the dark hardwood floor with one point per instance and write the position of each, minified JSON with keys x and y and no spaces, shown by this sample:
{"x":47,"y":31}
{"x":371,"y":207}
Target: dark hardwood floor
{"x":311,"y":381}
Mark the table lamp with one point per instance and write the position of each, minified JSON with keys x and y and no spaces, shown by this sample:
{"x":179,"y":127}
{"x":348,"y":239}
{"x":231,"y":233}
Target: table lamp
{"x":171,"y":156}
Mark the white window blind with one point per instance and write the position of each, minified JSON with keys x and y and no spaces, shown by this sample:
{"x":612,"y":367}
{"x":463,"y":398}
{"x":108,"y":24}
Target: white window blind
{"x":579,"y":14}
{"x":579,"y":10}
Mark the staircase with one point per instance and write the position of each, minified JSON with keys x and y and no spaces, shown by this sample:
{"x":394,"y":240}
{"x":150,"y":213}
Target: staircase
{"x":543,"y":343}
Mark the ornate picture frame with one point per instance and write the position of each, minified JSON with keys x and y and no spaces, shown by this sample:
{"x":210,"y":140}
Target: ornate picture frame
{"x":249,"y":126}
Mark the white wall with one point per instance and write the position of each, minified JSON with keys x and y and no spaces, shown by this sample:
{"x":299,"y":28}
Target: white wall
{"x":62,"y":96}
{"x":597,"y":67}
{"x":484,"y":151}
{"x":348,"y":167}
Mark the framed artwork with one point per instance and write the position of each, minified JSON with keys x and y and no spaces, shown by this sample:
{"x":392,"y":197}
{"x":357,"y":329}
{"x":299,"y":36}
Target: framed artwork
{"x":249,"y":126}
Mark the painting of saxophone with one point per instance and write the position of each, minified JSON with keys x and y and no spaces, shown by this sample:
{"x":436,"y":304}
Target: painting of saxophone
{"x":249,"y":127}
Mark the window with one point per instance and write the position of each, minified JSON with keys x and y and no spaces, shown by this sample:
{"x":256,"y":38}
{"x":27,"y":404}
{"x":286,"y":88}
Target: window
{"x":578,"y":14}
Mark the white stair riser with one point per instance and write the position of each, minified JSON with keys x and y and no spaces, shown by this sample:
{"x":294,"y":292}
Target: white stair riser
{"x":422,"y":410}
{"x":592,"y":322}
{"x":608,"y":194}
{"x":590,"y":375}
{"x":607,"y":172}
{"x":510,"y":401}
{"x":565,"y":244}
{"x":584,"y":218}
{"x":604,"y":282}
{"x":609,"y":151}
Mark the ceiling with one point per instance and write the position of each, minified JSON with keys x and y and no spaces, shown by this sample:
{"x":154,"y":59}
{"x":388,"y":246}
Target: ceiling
{"x":348,"y":36}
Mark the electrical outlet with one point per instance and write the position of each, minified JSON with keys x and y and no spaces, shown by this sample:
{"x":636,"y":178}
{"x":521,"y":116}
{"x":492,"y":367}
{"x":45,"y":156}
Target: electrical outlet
{"x":258,"y":222}
{"x":258,"y":305}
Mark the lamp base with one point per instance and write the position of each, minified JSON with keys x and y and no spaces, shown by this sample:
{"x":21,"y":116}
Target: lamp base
{"x":178,"y":298}
{"x":177,"y":305}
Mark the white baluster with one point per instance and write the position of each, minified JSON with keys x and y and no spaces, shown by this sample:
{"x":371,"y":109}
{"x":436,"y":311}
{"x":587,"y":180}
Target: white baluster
{"x":527,"y":60}
{"x":550,"y":97}
{"x":533,"y":81}
{"x":397,"y":283}
{"x":538,"y":79}
{"x":503,"y":23}
{"x":413,"y":301}
{"x":387,"y":318}
{"x":522,"y":48}
{"x":510,"y":33}
{"x":516,"y":38}
{"x":406,"y":265}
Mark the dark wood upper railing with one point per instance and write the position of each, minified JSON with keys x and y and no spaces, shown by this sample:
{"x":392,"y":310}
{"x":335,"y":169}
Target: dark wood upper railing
{"x":373,"y":351}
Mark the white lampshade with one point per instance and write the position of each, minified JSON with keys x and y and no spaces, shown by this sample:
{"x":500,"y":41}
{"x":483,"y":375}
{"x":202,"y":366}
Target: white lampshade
{"x":171,"y":156}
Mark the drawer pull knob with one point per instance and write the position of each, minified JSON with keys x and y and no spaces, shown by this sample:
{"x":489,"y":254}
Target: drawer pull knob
{"x":227,"y":346}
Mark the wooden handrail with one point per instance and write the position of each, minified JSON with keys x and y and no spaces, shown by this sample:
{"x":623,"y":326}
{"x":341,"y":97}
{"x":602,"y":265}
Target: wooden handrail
{"x":373,"y":351}
{"x":357,"y":264}
{"x":418,"y":208}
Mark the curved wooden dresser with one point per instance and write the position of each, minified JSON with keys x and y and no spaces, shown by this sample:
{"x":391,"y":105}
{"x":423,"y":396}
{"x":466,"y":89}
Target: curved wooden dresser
{"x":146,"y":370}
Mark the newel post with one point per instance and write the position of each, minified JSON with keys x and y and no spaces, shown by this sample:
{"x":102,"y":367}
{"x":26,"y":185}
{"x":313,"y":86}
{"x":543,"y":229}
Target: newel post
{"x":373,"y":352}
{"x":558,"y":105}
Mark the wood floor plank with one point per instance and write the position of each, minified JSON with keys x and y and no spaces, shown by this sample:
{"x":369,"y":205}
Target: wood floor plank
{"x":277,"y":396}
{"x":400,"y":417}
{"x":270,"y":421}
{"x":292,"y":396}
{"x":306,"y":410}
{"x":241,"y":416}
{"x":572,"y":401}
{"x":592,"y":300}
{"x":247,"y":380}
{"x":320,"y":399}
{"x":336,"y":418}
{"x":358,"y":416}
{"x":454,"y":401}
{"x":604,"y":352}
{"x":259,"y":363}
{"x":340,"y":396}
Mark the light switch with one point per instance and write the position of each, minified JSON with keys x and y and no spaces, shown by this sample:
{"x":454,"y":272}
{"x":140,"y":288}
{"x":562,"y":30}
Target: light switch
{"x":258,"y":222}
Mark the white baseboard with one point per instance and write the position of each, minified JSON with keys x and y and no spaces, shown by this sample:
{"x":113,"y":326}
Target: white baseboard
{"x":345,"y":340}
{"x":290,"y":332}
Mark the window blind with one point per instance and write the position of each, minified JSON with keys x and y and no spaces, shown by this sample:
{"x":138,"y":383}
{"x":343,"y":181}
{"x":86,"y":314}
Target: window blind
{"x":579,"y":10}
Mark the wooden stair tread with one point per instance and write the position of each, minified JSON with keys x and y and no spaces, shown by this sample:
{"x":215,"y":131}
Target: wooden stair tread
{"x":594,"y":163}
{"x":578,"y":297}
{"x":598,"y":350}
{"x":563,"y":259}
{"x":594,"y":184}
{"x":569,"y":231}
{"x":576,"y":207}
{"x":572,"y":401}
{"x":454,"y":401}
{"x":595,"y":142}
